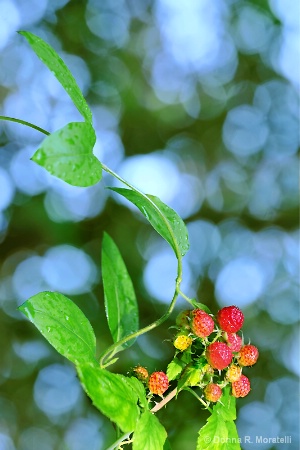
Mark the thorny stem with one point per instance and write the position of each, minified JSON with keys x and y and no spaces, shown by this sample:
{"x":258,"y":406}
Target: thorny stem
{"x":161,"y":404}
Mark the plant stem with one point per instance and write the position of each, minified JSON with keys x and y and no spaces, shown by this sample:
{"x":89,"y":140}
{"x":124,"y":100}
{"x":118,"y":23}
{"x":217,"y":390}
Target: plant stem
{"x":161,"y":404}
{"x":188,"y":299}
{"x":200,"y":399}
{"x":156,"y":323}
{"x":27,"y":124}
{"x":121,"y":439}
{"x":112,"y":349}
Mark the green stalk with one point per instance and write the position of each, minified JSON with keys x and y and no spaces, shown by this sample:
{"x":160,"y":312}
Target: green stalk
{"x":27,"y":124}
{"x":111,"y":350}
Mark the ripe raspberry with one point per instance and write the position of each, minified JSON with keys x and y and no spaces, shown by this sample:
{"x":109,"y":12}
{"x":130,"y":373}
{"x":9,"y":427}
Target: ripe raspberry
{"x":230,"y":319}
{"x":219,"y":355}
{"x":202,"y":324}
{"x":248,"y":355}
{"x":241,"y":387}
{"x":233,"y":373}
{"x":183,"y":319}
{"x":234,"y":341}
{"x":212,"y":392}
{"x":182,"y":342}
{"x":141,"y":373}
{"x":158,"y":383}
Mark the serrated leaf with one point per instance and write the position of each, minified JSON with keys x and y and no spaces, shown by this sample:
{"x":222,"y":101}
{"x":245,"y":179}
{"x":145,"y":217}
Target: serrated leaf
{"x":226,"y":407}
{"x":68,"y":154}
{"x":149,"y":433}
{"x":54,"y":62}
{"x":120,"y":301}
{"x":175,"y":368}
{"x":163,"y":219}
{"x":218,"y":435}
{"x":111,"y":394}
{"x":139,"y":388}
{"x":63,"y":324}
{"x":190,"y":377}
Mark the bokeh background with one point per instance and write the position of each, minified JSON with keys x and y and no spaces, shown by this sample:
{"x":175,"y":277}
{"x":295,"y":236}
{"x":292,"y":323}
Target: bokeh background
{"x":195,"y":101}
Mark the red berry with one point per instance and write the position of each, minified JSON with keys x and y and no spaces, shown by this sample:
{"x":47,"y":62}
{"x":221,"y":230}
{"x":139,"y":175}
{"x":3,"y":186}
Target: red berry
{"x":230,"y":319}
{"x":141,"y":373}
{"x":219,"y":355}
{"x":234,"y":341}
{"x":241,"y":387}
{"x":212,"y":392}
{"x":248,"y":355}
{"x":158,"y":383}
{"x":202,"y":324}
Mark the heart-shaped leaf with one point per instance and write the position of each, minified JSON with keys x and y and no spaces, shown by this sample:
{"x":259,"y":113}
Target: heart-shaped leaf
{"x":63,"y":324}
{"x":68,"y":154}
{"x":54,"y":62}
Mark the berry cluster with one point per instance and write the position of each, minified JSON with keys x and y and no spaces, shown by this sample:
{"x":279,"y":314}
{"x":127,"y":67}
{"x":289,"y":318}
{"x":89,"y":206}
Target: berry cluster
{"x":210,"y":353}
{"x":214,"y":349}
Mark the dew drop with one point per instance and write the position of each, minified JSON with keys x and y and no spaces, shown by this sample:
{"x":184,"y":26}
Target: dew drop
{"x":48,"y":329}
{"x":67,"y":317}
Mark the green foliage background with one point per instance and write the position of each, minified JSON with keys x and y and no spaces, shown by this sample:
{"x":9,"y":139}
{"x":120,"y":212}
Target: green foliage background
{"x":249,"y":199}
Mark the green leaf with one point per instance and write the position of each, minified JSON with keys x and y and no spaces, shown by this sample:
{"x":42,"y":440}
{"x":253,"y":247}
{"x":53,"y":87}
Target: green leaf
{"x":111,"y":394}
{"x":120,"y":301}
{"x":63,"y":324}
{"x":149,"y":433}
{"x":139,"y":388}
{"x":54,"y":62}
{"x":163,"y":219}
{"x":226,"y":407}
{"x":68,"y":154}
{"x":200,"y":306}
{"x":218,"y":435}
{"x":175,"y":368}
{"x":191,"y":377}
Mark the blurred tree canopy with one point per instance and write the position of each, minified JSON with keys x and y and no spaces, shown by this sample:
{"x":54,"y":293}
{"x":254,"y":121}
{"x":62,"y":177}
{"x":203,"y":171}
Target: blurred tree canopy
{"x":196,"y":102}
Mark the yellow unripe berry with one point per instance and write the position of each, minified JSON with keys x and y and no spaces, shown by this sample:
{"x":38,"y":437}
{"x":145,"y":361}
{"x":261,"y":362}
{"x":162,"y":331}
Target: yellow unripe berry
{"x":182,"y":342}
{"x":233,"y":373}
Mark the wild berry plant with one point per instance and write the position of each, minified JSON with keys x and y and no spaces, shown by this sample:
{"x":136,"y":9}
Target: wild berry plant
{"x":209,"y":353}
